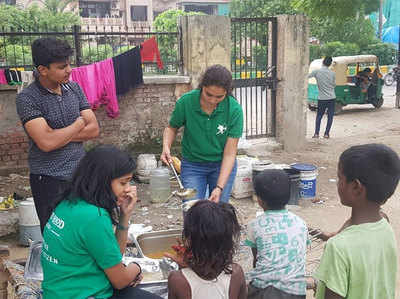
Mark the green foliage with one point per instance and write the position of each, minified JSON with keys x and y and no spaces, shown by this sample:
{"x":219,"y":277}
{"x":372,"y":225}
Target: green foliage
{"x":16,"y":54}
{"x":35,"y":18}
{"x":340,"y":9}
{"x":260,"y":8}
{"x":168,"y":22}
{"x":359,"y":31}
{"x":96,"y":53}
{"x":386,"y":52}
{"x":58,"y":6}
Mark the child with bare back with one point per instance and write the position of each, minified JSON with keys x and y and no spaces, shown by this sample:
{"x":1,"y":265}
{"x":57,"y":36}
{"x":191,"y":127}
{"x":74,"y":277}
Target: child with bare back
{"x":210,"y":236}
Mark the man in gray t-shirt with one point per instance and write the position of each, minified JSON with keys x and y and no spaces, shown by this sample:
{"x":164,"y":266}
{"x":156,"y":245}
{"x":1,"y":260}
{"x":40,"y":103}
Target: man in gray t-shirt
{"x":57,"y":118}
{"x":326,"y":82}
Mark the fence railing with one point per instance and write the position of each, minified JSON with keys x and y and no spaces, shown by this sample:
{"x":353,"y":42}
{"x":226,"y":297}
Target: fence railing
{"x":91,"y":44}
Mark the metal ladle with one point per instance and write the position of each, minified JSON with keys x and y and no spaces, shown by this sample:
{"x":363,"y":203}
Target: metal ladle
{"x":182,"y":193}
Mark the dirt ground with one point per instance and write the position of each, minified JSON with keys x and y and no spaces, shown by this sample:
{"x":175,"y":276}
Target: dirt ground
{"x":357,"y":124}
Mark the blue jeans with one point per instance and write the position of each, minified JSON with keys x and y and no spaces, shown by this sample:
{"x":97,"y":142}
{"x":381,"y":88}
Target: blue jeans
{"x":322,"y":107}
{"x":203,"y":175}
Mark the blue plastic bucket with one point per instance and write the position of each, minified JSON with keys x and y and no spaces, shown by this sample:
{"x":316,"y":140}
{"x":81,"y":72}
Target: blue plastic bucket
{"x":308,"y":179}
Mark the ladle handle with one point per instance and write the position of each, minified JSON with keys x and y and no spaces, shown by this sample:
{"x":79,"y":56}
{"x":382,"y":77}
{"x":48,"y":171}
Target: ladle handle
{"x":176,"y":175}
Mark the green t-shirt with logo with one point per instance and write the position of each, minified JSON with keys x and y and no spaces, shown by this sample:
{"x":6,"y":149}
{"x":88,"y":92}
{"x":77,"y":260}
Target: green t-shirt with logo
{"x":205,"y":135}
{"x":78,"y":244}
{"x":360,"y":262}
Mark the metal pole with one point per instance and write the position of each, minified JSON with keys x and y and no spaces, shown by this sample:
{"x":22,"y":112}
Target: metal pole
{"x":77,"y":44}
{"x":398,"y":81}
{"x":380,"y":19}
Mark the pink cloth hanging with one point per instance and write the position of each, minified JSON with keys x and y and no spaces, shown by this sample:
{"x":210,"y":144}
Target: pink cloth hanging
{"x":98,"y":83}
{"x":3,"y":79}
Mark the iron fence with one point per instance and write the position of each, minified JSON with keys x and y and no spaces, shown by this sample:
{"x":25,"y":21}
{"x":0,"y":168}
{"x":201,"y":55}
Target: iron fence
{"x":91,"y":44}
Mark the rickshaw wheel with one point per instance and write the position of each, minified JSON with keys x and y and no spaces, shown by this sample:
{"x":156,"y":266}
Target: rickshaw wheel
{"x":338,"y":108}
{"x":312,"y":108}
{"x":379,"y":103}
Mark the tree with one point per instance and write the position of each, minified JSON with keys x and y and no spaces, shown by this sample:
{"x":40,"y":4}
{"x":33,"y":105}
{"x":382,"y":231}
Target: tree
{"x":168,"y":22}
{"x":57,"y":6}
{"x":336,"y":8}
{"x":260,"y":8}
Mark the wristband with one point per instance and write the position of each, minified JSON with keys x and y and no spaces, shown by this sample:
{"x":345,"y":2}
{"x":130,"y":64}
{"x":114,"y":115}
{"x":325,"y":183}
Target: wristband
{"x":140,"y":268}
{"x":219,"y":187}
{"x":121,"y":227}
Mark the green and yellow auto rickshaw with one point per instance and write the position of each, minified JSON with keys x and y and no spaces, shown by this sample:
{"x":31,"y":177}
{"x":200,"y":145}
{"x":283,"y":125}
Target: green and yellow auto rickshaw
{"x":348,"y":90}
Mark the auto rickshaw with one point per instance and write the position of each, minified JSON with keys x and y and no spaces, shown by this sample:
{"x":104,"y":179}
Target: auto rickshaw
{"x":347,"y":90}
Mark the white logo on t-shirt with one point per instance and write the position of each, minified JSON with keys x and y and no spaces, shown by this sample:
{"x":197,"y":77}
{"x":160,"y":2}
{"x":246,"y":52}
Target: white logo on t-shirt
{"x":221,"y":129}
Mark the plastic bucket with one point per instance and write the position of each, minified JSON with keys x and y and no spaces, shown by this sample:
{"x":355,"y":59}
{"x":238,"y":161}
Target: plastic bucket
{"x":294,"y":176}
{"x":260,"y":166}
{"x":308,"y":179}
{"x":29,"y":225}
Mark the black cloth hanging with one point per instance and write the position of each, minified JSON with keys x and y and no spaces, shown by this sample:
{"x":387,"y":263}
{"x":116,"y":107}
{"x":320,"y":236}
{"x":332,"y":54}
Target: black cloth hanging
{"x":13,"y":77}
{"x":128,"y":70}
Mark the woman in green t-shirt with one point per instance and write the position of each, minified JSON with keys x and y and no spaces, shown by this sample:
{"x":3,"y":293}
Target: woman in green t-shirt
{"x":81,"y":255}
{"x":213,"y":121}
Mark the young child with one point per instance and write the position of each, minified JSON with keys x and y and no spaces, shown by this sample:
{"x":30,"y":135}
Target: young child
{"x":210,"y":236}
{"x":361,"y":261}
{"x":278,"y":240}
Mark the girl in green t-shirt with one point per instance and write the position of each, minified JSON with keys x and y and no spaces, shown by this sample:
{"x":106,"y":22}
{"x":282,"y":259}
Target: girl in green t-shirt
{"x":81,"y":255}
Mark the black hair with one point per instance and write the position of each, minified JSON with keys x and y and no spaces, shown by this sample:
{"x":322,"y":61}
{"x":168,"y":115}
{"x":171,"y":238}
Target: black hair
{"x":367,"y":70}
{"x":272,"y":186}
{"x":48,"y":50}
{"x":211,"y":233}
{"x":376,"y":166}
{"x":92,"y":178}
{"x":217,"y":75}
{"x":327,"y":61}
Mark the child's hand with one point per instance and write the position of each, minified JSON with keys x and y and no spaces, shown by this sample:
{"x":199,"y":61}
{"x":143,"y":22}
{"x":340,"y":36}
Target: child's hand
{"x":317,"y":233}
{"x":180,"y":254}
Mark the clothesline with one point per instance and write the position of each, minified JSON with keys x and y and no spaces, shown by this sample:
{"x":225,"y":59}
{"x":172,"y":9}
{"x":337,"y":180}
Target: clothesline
{"x":101,"y":81}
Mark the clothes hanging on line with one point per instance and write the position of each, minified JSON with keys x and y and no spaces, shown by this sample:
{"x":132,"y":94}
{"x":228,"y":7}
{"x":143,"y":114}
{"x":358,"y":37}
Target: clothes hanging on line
{"x":128,"y":70}
{"x":149,"y":52}
{"x":13,"y":76}
{"x":27,"y":77}
{"x":3,"y":79}
{"x":98,"y":83}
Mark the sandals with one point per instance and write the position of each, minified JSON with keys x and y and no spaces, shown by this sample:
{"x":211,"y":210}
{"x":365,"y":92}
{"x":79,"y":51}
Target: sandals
{"x":326,"y":136}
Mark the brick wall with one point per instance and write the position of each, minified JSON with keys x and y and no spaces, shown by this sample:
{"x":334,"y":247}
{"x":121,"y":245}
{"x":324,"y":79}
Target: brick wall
{"x":144,"y":113}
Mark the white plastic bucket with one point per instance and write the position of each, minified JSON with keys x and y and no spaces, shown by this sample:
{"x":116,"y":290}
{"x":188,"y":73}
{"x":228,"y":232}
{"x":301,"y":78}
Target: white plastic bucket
{"x":27,"y":213}
{"x":29,"y":224}
{"x":243,"y":184}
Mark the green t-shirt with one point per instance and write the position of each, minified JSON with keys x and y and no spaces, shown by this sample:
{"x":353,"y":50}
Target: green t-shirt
{"x":205,"y":135}
{"x":360,"y":263}
{"x":78,"y":244}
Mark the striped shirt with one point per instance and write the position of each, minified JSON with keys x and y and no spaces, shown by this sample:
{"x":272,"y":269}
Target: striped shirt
{"x":59,"y":111}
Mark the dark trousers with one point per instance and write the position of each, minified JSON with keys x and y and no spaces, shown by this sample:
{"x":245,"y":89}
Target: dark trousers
{"x":270,"y":293}
{"x":46,"y":192}
{"x":133,"y":293}
{"x":322,"y":107}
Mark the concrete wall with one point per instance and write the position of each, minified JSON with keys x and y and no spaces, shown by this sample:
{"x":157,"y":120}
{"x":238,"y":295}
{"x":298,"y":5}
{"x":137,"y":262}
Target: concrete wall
{"x":206,"y":41}
{"x":144,"y":113}
{"x":292,"y":70}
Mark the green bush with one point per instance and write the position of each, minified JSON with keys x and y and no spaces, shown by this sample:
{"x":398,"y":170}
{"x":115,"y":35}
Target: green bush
{"x":386,"y":52}
{"x":16,"y":55}
{"x":96,"y":53}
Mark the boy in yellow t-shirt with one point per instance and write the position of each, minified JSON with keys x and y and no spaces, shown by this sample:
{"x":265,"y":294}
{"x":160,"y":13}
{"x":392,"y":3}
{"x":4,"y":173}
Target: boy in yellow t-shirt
{"x":361,"y":260}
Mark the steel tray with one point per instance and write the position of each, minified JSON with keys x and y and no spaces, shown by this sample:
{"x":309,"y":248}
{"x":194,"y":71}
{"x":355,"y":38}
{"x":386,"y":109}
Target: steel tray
{"x":33,"y":267}
{"x":157,"y":241}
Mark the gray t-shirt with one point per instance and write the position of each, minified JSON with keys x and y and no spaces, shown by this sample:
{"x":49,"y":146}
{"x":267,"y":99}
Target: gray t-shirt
{"x":59,"y":112}
{"x":326,"y":81}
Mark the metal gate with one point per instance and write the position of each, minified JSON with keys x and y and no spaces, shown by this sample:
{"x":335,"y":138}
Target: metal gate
{"x":253,"y":65}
